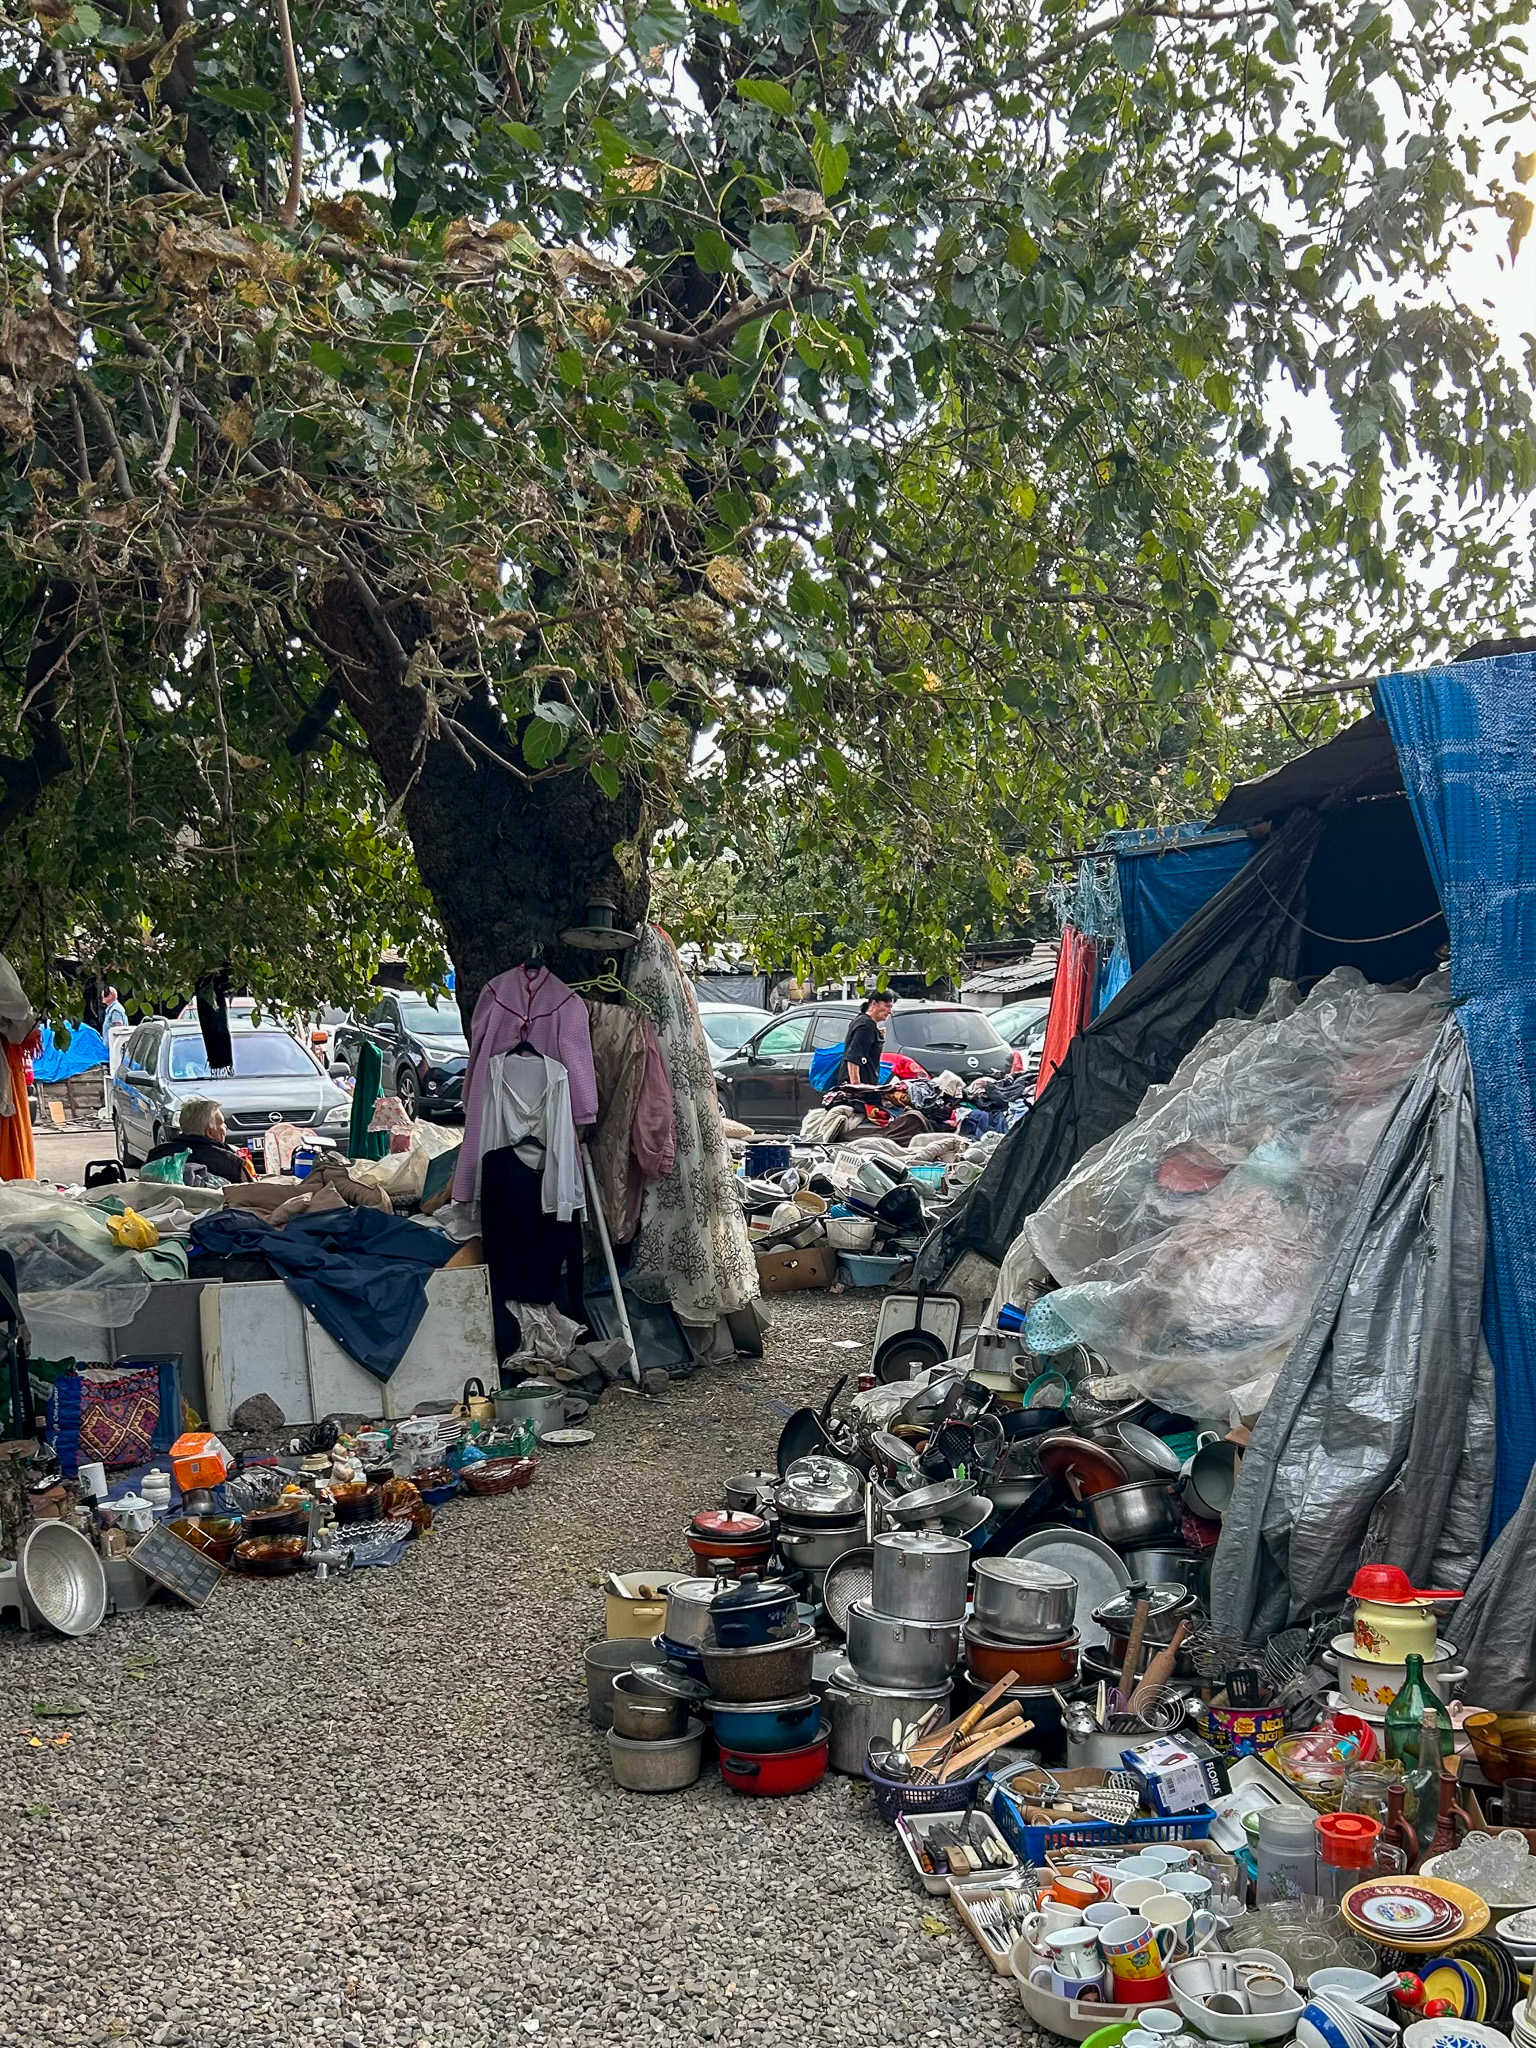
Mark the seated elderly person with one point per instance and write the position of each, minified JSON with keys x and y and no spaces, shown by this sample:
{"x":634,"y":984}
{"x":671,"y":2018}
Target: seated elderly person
{"x":202,"y":1134}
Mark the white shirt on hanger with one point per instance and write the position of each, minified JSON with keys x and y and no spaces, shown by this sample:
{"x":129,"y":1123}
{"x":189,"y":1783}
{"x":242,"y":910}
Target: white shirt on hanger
{"x":527,"y":1105}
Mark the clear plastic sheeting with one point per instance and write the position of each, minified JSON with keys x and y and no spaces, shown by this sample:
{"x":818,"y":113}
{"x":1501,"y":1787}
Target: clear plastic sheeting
{"x":1190,"y":1245}
{"x":1377,"y":1442}
{"x":76,"y":1286}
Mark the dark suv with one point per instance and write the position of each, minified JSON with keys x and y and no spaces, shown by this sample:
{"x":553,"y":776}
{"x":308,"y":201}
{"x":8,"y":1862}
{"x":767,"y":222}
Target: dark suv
{"x":766,"y":1083}
{"x":422,"y":1044}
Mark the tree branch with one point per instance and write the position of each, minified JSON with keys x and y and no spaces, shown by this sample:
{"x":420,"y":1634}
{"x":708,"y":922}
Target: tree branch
{"x":288,"y":212}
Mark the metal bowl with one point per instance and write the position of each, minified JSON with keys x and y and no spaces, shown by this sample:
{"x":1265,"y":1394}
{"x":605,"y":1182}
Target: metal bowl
{"x":933,"y":1503}
{"x":61,"y":1578}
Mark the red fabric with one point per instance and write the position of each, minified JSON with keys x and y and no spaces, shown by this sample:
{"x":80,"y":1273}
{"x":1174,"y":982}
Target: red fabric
{"x":17,"y":1159}
{"x":1077,"y":974}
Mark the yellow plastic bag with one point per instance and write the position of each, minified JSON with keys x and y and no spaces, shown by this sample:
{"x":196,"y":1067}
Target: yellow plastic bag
{"x":132,"y":1232}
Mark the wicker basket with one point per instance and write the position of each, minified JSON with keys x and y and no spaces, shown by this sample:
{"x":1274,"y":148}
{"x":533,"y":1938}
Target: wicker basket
{"x":499,"y":1475}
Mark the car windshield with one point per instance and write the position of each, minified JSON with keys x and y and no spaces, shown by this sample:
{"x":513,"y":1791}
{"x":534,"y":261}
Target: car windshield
{"x":257,"y":1054}
{"x":945,"y":1031}
{"x":436,"y":1020}
{"x":727,"y":1028}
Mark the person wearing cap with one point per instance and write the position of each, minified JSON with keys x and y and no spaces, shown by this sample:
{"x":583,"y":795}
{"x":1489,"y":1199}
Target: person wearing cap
{"x":865,"y":1042}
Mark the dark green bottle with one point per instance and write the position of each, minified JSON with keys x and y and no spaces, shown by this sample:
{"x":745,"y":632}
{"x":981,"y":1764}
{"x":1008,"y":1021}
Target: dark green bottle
{"x":1406,"y":1714}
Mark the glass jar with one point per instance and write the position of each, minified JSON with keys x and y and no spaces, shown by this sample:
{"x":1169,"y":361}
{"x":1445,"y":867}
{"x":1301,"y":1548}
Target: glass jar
{"x":1287,"y":1855}
{"x":1367,"y":1787}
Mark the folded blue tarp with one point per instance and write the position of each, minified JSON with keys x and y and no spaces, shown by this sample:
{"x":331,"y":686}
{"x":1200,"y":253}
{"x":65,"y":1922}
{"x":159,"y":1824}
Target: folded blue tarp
{"x":361,"y":1274}
{"x":1167,"y":873}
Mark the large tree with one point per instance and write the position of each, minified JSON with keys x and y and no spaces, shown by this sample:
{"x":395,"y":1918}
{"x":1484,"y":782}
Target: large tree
{"x":532,"y":426}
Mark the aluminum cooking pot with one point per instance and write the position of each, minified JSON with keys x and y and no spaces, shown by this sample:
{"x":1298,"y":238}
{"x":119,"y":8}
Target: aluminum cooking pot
{"x":901,"y":1653}
{"x":688,"y":1617}
{"x":1019,"y":1601}
{"x":1133,"y":1515}
{"x":644,"y":1716}
{"x":862,"y":1714}
{"x":920,"y":1575}
{"x":819,"y":1487}
{"x":1167,"y":1604}
{"x":748,"y":1493}
{"x":814,"y":1548}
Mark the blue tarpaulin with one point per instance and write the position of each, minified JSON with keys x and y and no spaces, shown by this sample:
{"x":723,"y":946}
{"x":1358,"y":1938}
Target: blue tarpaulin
{"x":1466,"y":739}
{"x":86,"y":1049}
{"x":1167,"y":873}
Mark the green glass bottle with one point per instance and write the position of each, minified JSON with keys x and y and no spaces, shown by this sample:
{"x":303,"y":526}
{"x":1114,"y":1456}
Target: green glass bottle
{"x":1406,"y":1714}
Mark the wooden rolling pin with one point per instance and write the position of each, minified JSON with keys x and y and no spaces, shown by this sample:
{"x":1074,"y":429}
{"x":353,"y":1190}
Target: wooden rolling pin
{"x":1133,"y":1645}
{"x":1160,"y":1668}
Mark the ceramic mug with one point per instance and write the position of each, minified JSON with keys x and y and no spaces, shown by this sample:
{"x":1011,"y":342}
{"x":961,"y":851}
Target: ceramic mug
{"x":1090,"y":1990}
{"x":1132,"y":1893}
{"x":1176,"y":1858}
{"x":1180,"y":1917}
{"x":1076,"y":1892}
{"x":1105,"y":1911}
{"x":1049,"y":1918}
{"x":1160,"y":2022}
{"x":1146,"y":1864}
{"x":1136,"y":1951}
{"x":1267,"y":1992}
{"x":1074,"y":1951}
{"x":1189,"y":1885}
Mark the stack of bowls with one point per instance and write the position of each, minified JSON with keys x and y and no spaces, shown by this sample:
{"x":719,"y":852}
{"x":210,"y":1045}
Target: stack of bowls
{"x":906,"y":1635}
{"x":767,"y":1721}
{"x":1021,"y":1622}
{"x":654,"y":1744}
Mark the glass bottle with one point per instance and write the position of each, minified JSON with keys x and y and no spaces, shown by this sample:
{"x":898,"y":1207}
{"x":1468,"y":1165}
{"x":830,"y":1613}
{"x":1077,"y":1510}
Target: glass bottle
{"x":1421,"y":1787}
{"x":1405,"y":1717}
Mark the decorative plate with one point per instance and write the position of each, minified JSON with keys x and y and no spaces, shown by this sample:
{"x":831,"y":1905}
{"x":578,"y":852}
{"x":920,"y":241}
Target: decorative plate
{"x":1388,"y":1907}
{"x":1472,"y":1913}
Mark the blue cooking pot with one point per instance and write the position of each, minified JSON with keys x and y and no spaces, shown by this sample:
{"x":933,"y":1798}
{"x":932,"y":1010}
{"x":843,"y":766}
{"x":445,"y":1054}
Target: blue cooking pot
{"x":766,"y":1726}
{"x":681,"y":1654}
{"x":751,"y":1613}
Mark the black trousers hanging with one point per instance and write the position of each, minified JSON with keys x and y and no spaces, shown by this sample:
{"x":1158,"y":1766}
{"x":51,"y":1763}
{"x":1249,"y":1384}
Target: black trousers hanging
{"x":530,"y":1256}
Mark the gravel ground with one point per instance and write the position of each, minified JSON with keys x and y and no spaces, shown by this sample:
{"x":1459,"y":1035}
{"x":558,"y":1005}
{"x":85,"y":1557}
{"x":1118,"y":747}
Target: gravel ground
{"x":372,"y":1812}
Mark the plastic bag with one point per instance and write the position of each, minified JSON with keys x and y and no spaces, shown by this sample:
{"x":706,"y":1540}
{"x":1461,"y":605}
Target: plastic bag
{"x":1190,"y":1244}
{"x":169,"y":1169}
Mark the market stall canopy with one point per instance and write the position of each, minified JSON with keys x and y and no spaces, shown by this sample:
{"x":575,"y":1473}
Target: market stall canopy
{"x":1359,"y":762}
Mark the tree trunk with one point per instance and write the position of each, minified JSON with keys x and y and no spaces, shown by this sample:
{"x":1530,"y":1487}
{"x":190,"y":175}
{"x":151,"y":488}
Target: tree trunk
{"x":507,"y":863}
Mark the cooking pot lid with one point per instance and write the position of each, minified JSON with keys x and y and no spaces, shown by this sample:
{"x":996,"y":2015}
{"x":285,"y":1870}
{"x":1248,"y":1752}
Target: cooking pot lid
{"x":800,"y":1704}
{"x":693,"y":1592}
{"x":750,"y":1595}
{"x":1032,"y":1578}
{"x":675,"y":1684}
{"x":728,"y":1522}
{"x":821,"y":1486}
{"x":923,"y":1543}
{"x":846,"y":1679}
{"x":1152,"y":1450}
{"x":1165,"y":1599}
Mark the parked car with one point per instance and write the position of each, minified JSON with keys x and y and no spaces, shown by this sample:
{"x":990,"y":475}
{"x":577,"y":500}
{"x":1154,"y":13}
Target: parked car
{"x":726,"y":1025}
{"x":322,"y":1026}
{"x":421,"y":1041}
{"x":766,"y":1082}
{"x":1023,"y":1025}
{"x":273,"y":1081}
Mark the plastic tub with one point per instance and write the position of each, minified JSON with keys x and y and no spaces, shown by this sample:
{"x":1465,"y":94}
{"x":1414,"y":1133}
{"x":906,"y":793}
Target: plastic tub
{"x":869,"y":1270}
{"x":849,"y":1233}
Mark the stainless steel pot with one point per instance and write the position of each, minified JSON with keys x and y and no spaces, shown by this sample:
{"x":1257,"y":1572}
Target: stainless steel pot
{"x":813,"y":1548}
{"x":602,"y":1661}
{"x":688,"y":1620}
{"x":919,"y":1576}
{"x":535,"y":1401}
{"x":862,"y":1713}
{"x":901,"y":1653}
{"x":1133,"y":1515}
{"x":644,"y":1716}
{"x":1184,"y":1566}
{"x":1022,"y":1602}
{"x":748,"y":1493}
{"x":821,"y":1487}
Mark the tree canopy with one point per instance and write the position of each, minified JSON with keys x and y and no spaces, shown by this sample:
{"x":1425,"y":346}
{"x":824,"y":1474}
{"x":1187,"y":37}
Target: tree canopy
{"x":513,"y":429}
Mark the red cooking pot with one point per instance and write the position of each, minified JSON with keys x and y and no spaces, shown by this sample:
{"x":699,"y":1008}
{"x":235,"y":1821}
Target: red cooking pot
{"x":769,"y":1777}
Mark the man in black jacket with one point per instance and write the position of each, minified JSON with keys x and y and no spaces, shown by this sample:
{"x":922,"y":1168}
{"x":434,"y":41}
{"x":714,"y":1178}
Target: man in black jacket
{"x":865,"y":1042}
{"x":202,"y":1134}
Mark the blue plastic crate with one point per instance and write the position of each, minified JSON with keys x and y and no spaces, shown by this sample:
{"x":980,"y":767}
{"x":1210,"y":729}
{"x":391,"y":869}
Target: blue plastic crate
{"x":1033,"y":1843}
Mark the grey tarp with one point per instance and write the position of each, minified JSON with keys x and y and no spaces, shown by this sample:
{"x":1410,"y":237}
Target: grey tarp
{"x":1378,"y":1440}
{"x":1495,"y":1626}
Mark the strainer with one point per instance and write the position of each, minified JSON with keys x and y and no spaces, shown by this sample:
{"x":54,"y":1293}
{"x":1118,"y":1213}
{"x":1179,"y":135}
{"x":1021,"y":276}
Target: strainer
{"x":61,"y":1578}
{"x":849,"y":1578}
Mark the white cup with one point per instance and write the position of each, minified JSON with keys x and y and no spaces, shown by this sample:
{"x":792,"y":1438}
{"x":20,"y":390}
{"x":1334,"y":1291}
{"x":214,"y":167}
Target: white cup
{"x":1189,"y":1885}
{"x":93,"y":1481}
{"x":1176,"y":1858}
{"x":1160,"y":2021}
{"x":1267,"y":1992}
{"x":1105,"y":1911}
{"x":1132,"y":1893}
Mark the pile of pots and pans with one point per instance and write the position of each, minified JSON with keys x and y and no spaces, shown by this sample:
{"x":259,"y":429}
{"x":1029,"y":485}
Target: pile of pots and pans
{"x":1167,"y":1605}
{"x":903,"y":1641}
{"x":767,"y":1722}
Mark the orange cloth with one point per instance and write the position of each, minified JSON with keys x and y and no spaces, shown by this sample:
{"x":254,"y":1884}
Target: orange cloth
{"x":17,"y":1159}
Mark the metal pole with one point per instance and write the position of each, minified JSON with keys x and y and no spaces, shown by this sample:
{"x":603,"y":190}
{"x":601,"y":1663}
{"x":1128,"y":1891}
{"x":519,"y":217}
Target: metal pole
{"x":612,"y":1264}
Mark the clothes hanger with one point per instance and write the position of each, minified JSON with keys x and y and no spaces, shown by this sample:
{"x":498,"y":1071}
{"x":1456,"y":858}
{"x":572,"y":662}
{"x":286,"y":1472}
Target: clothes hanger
{"x":608,"y":983}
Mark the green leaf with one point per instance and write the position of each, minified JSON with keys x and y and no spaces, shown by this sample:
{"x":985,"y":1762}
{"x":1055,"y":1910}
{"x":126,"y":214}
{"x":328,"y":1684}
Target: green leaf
{"x":607,"y":778}
{"x":1023,"y":249}
{"x":330,"y":360}
{"x":767,"y":93}
{"x":246,"y":99}
{"x":711,"y":252}
{"x":524,"y":136}
{"x":1133,"y":44}
{"x":831,"y":161}
{"x":776,"y":245}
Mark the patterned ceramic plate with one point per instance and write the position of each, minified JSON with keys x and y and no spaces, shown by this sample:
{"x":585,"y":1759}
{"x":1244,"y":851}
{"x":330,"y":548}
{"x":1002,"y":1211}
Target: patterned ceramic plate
{"x":1387,"y":1907}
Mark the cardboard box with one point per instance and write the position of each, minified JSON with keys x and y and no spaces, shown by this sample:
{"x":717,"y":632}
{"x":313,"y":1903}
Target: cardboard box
{"x":784,"y":1272}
